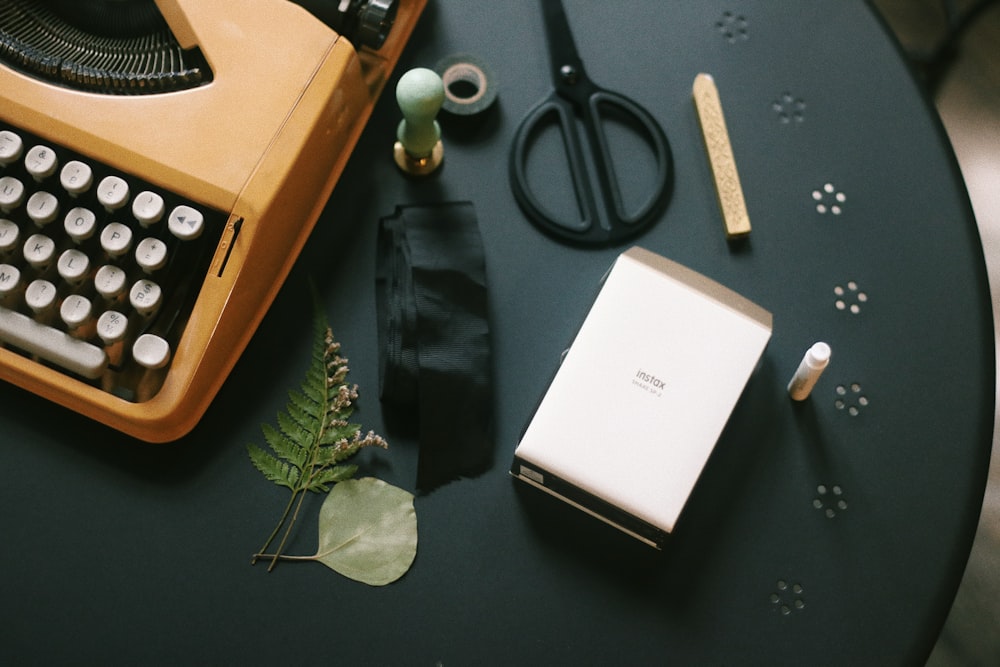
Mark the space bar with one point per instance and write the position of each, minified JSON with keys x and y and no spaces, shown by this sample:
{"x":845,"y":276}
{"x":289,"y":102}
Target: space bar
{"x":51,"y":344}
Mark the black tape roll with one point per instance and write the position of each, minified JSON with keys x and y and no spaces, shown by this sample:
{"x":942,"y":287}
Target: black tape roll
{"x":469,"y":86}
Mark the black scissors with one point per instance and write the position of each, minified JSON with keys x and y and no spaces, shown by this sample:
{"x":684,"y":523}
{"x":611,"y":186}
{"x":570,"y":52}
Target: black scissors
{"x":576,"y":95}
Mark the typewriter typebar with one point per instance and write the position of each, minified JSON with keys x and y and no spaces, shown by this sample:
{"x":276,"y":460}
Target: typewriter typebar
{"x":155,"y":193}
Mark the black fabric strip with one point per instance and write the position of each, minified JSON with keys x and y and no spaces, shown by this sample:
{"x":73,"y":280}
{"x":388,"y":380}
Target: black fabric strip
{"x":435,"y":361}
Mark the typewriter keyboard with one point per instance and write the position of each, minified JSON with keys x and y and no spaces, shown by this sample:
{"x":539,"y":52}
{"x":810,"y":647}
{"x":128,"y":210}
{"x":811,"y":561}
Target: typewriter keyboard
{"x":99,"y":270}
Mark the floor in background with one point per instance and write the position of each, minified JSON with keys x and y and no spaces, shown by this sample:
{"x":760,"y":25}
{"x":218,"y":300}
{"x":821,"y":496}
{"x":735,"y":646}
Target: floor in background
{"x":968,"y":100}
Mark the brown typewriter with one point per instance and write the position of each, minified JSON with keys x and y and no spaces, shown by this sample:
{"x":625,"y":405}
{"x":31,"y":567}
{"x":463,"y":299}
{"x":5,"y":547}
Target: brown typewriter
{"x":161,"y":165}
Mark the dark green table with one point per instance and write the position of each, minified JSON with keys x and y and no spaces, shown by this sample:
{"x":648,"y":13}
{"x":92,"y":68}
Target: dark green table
{"x":829,"y":532}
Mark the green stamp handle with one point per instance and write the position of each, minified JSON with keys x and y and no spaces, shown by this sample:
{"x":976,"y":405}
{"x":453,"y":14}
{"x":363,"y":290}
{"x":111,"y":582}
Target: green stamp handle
{"x":420,"y":94}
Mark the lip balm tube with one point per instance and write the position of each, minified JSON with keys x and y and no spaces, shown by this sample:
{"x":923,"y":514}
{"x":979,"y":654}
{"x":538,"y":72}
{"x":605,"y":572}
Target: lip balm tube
{"x":809,"y":370}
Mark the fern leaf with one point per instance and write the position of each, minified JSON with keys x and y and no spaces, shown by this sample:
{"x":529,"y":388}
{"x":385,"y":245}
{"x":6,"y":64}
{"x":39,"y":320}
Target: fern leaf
{"x":273,"y":469}
{"x":305,"y":418}
{"x":297,"y":426}
{"x":315,"y":392}
{"x":328,"y":476}
{"x":343,"y":413}
{"x":335,"y":434}
{"x":283,"y":446}
{"x":330,"y":454}
{"x":316,"y":373}
{"x":315,"y":382}
{"x":296,"y":443}
{"x":320,"y":327}
{"x":306,"y":404}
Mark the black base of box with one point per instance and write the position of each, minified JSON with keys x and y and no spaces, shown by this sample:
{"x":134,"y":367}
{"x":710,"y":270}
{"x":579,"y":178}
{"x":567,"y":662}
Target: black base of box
{"x":589,"y":503}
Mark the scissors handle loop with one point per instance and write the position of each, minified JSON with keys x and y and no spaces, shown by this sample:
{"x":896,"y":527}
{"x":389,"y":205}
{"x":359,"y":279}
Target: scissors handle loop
{"x":643,"y":122}
{"x":606,"y":221}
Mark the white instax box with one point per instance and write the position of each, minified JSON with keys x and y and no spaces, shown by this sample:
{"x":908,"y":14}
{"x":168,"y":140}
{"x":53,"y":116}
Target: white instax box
{"x":643,"y":394}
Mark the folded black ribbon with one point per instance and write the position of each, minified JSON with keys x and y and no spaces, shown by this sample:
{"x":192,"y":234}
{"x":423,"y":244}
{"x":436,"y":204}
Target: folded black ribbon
{"x":435,"y":361}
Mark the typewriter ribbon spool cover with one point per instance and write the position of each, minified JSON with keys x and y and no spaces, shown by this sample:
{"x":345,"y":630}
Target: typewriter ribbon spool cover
{"x":263,"y":142}
{"x":643,"y":394}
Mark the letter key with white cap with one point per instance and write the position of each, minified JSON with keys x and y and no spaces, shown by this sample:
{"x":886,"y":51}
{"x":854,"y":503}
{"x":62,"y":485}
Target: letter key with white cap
{"x":80,"y":224}
{"x":99,"y":269}
{"x":40,"y":296}
{"x":11,"y":193}
{"x":112,"y":193}
{"x":147,"y":208}
{"x":42,"y":208}
{"x":10,"y":233}
{"x":10,"y":147}
{"x":76,"y":177}
{"x":41,"y":162}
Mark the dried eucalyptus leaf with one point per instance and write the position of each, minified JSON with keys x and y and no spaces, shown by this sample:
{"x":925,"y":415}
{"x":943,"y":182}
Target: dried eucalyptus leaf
{"x":368,"y":531}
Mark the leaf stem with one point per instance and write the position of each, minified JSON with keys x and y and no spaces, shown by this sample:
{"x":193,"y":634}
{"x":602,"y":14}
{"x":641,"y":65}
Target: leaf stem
{"x":304,"y":483}
{"x":291,"y":524}
{"x":274,"y":533}
{"x":279,"y":556}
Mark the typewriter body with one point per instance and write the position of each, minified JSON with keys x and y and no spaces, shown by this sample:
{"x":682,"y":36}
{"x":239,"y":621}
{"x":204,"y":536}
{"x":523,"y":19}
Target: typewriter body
{"x":176,"y":205}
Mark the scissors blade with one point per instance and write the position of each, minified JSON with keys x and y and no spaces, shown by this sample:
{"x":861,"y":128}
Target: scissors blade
{"x":566,"y":63}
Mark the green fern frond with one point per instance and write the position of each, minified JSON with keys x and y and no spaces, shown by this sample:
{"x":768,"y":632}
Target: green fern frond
{"x":316,"y":374}
{"x":342,"y":414}
{"x":315,"y":392}
{"x":297,"y":425}
{"x":276,"y":471}
{"x":331,"y":476}
{"x":304,"y":412}
{"x":309,"y":405}
{"x":339,"y":450}
{"x":335,"y":434}
{"x":284,"y":447}
{"x":296,"y":445}
{"x":312,"y":434}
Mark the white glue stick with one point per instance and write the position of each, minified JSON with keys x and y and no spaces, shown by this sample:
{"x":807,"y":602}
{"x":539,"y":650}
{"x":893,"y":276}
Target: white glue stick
{"x":809,"y":370}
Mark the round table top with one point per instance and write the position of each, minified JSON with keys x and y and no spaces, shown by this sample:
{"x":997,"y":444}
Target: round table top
{"x":834,"y":530}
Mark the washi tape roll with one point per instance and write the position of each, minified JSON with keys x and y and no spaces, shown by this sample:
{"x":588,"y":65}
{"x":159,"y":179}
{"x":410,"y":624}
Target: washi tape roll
{"x":469,"y":86}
